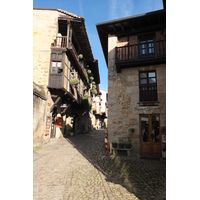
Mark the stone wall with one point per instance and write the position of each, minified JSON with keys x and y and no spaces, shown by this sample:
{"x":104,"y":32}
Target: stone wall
{"x":45,"y":28}
{"x":123,"y":98}
{"x":39,"y":115}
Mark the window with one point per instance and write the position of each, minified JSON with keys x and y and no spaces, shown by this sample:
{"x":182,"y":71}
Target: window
{"x":148,"y":86}
{"x":56,"y":62}
{"x":146,"y":46}
{"x":56,"y":67}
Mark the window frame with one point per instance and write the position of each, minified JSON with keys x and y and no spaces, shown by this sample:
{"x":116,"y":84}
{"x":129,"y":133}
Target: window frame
{"x":147,"y":43}
{"x":56,"y":57}
{"x":148,"y":93}
{"x":56,"y":67}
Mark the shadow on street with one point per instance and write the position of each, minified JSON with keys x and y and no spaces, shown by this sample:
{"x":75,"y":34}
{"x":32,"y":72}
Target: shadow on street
{"x":145,"y":178}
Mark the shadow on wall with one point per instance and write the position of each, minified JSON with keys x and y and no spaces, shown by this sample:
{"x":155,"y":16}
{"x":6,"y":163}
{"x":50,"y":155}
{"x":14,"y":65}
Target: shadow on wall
{"x":138,"y":176}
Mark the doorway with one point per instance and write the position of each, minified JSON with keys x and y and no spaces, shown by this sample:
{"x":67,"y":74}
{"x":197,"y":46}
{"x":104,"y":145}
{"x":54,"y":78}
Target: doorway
{"x":150,"y":137}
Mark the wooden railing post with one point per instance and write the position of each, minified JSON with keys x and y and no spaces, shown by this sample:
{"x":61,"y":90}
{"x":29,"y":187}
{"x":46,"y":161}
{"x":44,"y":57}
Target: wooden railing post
{"x":134,"y":51}
{"x":116,"y":58}
{"x":155,"y":49}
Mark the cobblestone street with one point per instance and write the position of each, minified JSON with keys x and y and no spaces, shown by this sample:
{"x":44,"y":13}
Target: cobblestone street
{"x":77,"y":168}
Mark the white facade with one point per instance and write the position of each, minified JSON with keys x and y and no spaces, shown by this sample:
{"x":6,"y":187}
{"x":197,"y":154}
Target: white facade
{"x":100,"y":111}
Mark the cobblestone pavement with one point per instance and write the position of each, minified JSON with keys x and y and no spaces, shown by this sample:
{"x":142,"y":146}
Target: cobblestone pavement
{"x":77,"y":168}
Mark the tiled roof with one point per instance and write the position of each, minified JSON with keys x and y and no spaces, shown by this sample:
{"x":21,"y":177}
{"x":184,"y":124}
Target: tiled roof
{"x":68,"y":13}
{"x":61,"y":11}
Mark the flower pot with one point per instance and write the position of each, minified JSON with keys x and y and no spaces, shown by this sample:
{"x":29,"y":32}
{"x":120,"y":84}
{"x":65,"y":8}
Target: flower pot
{"x":121,"y":145}
{"x":114,"y":145}
{"x":127,"y":146}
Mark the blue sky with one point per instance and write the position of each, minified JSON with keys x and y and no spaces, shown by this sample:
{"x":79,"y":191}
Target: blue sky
{"x":100,"y":11}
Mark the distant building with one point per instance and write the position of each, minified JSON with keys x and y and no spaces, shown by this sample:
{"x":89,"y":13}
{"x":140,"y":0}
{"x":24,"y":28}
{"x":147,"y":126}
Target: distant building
{"x":135,"y":53}
{"x":64,"y":73}
{"x":100,"y":110}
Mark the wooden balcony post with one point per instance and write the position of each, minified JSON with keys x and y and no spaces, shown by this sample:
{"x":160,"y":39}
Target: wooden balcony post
{"x":134,"y":52}
{"x":116,"y":58}
{"x":68,"y":27}
{"x":155,"y":49}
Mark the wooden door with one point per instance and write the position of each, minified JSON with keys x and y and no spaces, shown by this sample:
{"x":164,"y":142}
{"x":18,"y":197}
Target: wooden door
{"x":150,"y":137}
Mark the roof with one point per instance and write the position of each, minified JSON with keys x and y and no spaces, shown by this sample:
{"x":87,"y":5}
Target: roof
{"x":78,"y":26}
{"x":59,"y":10}
{"x":79,"y":29}
{"x":129,"y":26}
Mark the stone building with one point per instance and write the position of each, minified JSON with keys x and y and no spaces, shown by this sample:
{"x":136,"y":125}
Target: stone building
{"x":135,"y":52}
{"x":64,"y":71}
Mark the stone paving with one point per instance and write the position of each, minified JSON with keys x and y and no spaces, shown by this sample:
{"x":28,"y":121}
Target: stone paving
{"x":76,"y":168}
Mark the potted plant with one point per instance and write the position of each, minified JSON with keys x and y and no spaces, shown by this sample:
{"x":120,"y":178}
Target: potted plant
{"x":80,"y":56}
{"x":127,"y":144}
{"x":114,"y":144}
{"x":74,"y":81}
{"x":94,"y":91}
{"x":91,"y":78}
{"x":121,"y":143}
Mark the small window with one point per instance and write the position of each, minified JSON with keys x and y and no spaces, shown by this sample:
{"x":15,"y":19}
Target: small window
{"x":56,"y":67}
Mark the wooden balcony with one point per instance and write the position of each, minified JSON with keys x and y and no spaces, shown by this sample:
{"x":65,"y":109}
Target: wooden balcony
{"x":140,"y":54}
{"x":61,"y":42}
{"x":59,"y":85}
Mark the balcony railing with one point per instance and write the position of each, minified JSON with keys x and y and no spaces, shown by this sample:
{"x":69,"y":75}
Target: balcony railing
{"x":60,"y":42}
{"x":80,"y":64}
{"x":141,"y":52}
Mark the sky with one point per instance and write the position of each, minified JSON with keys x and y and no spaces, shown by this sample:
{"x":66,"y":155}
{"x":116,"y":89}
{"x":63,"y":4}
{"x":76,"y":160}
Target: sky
{"x":100,"y":11}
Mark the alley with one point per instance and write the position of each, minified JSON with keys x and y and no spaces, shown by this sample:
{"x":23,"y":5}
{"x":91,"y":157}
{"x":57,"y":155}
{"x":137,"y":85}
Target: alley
{"x":77,"y":168}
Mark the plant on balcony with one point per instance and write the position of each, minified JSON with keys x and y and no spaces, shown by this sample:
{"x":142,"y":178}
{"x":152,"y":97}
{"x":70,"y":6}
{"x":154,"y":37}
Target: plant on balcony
{"x":89,"y":71}
{"x":86,"y":104}
{"x":93,"y":83}
{"x":74,"y":81}
{"x":94,"y":87}
{"x":85,"y":96}
{"x":94,"y":92}
{"x":80,"y":56}
{"x":91,"y":78}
